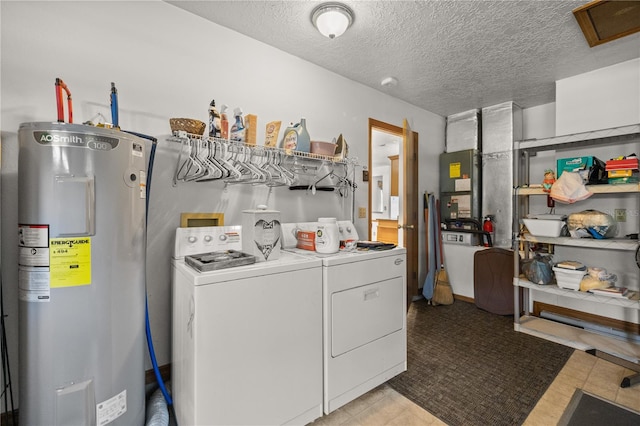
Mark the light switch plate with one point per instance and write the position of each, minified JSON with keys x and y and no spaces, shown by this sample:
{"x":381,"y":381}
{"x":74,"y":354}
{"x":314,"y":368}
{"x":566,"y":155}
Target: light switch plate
{"x":621,"y":215}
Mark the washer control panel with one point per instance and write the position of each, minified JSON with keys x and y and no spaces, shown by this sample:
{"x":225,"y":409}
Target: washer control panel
{"x":206,"y":239}
{"x":347,"y":230}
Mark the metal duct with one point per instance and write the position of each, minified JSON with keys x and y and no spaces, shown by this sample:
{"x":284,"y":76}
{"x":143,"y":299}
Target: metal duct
{"x":463,"y":131}
{"x":501,"y":126}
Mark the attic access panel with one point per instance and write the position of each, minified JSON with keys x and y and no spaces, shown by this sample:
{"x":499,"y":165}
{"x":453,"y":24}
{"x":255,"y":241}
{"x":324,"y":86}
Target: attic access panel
{"x":602,"y":21}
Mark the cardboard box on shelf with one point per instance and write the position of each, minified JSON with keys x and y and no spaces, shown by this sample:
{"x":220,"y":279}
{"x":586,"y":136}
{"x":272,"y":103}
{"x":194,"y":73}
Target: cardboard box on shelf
{"x":574,"y":164}
{"x":619,"y":173}
{"x":251,"y":124}
{"x":623,"y":164}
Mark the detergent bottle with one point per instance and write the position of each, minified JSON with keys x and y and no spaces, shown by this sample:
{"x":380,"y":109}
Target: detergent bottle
{"x":327,"y":235}
{"x":224,"y":122}
{"x":296,"y":138}
{"x":238,"y":130}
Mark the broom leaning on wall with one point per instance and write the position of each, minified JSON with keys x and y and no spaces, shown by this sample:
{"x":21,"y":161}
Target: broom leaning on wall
{"x":442,"y":292}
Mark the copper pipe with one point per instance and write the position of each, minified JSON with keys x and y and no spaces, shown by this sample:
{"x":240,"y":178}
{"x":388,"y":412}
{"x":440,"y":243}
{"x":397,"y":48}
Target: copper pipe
{"x":60,"y":85}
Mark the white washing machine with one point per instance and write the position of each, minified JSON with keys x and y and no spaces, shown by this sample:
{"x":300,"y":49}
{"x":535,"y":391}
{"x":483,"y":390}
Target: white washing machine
{"x":364,"y":316}
{"x":247,"y":340}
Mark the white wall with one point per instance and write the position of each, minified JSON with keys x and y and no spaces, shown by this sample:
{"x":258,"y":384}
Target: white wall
{"x":168,"y":63}
{"x":539,"y":122}
{"x":604,"y":98}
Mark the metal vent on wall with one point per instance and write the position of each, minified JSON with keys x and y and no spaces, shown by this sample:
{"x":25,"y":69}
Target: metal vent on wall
{"x":602,"y":21}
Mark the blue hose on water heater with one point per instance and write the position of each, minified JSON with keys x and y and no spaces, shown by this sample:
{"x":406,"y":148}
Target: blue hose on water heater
{"x":152,"y":353}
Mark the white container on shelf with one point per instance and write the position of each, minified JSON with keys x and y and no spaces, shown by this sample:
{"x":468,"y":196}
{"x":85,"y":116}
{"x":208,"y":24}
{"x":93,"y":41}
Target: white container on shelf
{"x":544,"y":227}
{"x":568,"y":278}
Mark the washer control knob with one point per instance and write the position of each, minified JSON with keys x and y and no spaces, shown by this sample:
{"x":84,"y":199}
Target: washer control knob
{"x":192,"y":239}
{"x":207,"y":238}
{"x":223,"y":237}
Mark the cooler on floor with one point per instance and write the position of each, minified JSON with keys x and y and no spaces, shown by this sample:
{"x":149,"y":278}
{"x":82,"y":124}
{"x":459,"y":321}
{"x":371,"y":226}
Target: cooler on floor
{"x":493,"y":280}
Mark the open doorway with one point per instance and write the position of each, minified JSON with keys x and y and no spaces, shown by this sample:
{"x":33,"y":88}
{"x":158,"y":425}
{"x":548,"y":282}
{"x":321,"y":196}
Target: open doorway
{"x":393,"y":192}
{"x":384,"y":172}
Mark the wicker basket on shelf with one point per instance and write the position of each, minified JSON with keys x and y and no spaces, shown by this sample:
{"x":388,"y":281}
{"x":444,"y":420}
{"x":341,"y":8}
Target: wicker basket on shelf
{"x":195,"y":127}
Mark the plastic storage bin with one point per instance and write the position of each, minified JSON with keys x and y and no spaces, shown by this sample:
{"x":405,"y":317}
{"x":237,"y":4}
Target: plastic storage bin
{"x":544,"y":227}
{"x":569,"y":278}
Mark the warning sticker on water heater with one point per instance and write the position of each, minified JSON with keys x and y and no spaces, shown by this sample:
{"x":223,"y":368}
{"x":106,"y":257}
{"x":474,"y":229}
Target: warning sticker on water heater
{"x":33,"y":235}
{"x":33,"y":256}
{"x":33,"y":284}
{"x":109,"y":410}
{"x":143,"y":184}
{"x":70,"y":261}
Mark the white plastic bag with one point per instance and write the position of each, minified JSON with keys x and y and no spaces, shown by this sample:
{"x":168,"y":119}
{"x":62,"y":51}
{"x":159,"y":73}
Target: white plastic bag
{"x":569,"y":188}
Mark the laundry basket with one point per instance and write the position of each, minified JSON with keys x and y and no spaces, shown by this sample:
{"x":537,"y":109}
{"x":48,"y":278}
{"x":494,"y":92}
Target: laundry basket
{"x":493,"y":280}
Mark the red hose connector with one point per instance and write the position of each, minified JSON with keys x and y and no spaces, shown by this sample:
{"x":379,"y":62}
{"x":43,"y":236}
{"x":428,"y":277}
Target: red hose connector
{"x":60,"y":85}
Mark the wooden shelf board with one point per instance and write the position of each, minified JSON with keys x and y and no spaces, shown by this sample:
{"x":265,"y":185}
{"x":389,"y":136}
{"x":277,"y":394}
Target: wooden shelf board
{"x":595,"y":189}
{"x":623,"y":244}
{"x":578,"y":338}
{"x":582,"y":295}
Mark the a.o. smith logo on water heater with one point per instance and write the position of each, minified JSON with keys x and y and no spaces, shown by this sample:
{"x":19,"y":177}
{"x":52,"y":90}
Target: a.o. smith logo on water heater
{"x":80,"y":140}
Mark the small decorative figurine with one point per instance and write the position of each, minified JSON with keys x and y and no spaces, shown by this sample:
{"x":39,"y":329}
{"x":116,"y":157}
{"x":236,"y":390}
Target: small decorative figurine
{"x":549,"y":179}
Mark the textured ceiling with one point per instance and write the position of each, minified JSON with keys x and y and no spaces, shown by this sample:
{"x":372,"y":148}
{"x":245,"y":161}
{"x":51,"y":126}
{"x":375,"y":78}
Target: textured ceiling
{"x":449,"y":56}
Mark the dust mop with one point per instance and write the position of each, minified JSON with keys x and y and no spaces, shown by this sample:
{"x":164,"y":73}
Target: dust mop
{"x":431,"y":234}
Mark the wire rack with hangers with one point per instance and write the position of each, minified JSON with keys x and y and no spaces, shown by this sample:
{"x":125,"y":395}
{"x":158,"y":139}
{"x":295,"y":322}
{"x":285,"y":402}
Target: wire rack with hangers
{"x":204,"y":159}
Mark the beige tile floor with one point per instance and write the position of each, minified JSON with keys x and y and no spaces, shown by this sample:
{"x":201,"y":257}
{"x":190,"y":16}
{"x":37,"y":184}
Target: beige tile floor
{"x":384,"y":406}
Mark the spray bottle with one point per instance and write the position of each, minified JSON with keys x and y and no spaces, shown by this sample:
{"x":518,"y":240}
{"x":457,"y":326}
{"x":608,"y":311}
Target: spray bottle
{"x":238,"y":129}
{"x":214,"y":120}
{"x":224,"y":122}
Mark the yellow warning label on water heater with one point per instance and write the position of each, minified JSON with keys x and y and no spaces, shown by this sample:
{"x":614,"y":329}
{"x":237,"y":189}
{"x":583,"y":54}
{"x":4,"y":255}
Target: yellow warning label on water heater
{"x":454,"y":170}
{"x":70,"y":261}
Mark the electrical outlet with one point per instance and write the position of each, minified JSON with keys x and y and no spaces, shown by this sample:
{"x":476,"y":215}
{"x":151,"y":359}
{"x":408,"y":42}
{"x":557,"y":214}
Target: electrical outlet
{"x":362,"y":212}
{"x":621,"y":215}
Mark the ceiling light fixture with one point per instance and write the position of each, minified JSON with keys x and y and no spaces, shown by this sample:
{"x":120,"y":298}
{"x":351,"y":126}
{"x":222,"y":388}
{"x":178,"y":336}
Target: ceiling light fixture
{"x":389,"y":82}
{"x":332,"y":19}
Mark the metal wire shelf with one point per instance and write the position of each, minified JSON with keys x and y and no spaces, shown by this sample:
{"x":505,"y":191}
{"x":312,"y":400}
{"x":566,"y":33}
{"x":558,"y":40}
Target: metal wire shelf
{"x":204,"y":159}
{"x":180,"y":135}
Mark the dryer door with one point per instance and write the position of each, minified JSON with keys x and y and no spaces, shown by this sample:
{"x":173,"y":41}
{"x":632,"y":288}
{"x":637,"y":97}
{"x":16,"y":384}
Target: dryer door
{"x":363,"y":314}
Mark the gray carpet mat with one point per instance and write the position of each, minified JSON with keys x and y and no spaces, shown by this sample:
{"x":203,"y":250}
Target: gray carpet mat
{"x":467,"y":366}
{"x":589,"y":410}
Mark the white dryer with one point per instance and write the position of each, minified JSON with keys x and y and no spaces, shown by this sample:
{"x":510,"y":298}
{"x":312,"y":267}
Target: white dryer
{"x":364,"y":316}
{"x":247,"y":340}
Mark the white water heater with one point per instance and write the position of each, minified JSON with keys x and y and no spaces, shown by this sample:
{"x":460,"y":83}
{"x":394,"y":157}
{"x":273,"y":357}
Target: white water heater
{"x":81,"y":230}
